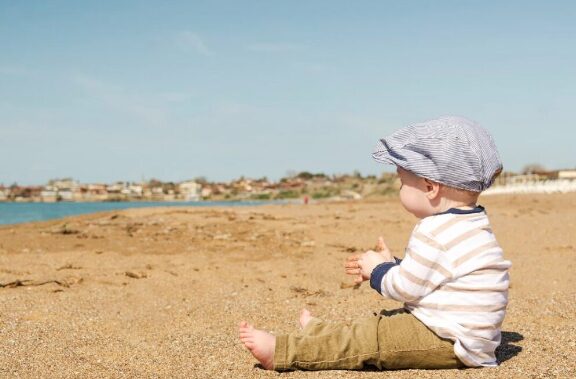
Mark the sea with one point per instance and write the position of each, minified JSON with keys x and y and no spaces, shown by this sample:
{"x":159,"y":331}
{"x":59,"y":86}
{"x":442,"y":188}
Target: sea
{"x":17,"y":213}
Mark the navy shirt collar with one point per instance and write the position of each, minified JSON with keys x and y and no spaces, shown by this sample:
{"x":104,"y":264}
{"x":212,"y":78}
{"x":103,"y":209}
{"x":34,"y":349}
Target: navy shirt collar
{"x":458,"y":211}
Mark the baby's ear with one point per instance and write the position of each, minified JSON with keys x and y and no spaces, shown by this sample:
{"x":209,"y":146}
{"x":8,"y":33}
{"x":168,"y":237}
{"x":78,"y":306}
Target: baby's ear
{"x":432,"y":188}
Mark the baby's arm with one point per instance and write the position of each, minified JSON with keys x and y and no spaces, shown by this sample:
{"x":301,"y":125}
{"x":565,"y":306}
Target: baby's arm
{"x":423,"y":269}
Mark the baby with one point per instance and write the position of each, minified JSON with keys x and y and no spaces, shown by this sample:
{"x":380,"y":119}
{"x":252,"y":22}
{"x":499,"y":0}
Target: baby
{"x":453,"y":279}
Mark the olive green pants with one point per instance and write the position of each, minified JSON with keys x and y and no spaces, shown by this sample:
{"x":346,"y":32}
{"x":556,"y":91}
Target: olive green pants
{"x":392,"y":340}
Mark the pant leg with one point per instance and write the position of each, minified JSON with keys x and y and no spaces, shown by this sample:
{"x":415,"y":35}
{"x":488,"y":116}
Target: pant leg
{"x":329,"y":346}
{"x":392,"y":340}
{"x":404,"y":342}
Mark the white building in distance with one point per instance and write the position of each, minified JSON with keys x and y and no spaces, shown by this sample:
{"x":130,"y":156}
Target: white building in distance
{"x":190,"y":190}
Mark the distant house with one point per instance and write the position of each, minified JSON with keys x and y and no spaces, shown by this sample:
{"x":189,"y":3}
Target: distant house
{"x":96,"y":192}
{"x":135,"y":191}
{"x":65,"y":194}
{"x":66,"y":183}
{"x":114,"y":191}
{"x":542,"y":176}
{"x":206,"y":192}
{"x":79,"y":193}
{"x":3,"y":194}
{"x":49,"y":194}
{"x":157,"y":193}
{"x":567,"y":174}
{"x":115,"y":188}
{"x":66,"y":189}
{"x":527,"y":178}
{"x":190,"y":190}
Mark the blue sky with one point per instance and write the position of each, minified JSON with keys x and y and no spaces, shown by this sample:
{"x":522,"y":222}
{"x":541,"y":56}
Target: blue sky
{"x":121,"y":90}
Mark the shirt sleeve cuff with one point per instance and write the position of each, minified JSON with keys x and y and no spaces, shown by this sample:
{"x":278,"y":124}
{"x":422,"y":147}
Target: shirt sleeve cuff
{"x":379,"y":272}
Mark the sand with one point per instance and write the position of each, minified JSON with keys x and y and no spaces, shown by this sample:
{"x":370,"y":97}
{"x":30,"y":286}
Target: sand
{"x":159,"y":292}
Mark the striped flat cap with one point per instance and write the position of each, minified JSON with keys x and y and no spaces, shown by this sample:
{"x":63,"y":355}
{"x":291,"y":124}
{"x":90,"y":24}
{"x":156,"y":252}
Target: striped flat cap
{"x":450,"y":150}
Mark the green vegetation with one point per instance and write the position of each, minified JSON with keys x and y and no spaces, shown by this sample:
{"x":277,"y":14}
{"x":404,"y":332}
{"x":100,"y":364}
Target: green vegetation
{"x":261,"y":196}
{"x":288,"y":194}
{"x":305,"y":175}
{"x":324,"y":193}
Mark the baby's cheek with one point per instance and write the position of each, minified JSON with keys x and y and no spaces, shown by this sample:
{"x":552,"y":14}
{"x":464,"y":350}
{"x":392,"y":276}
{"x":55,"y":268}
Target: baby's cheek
{"x":412,"y":203}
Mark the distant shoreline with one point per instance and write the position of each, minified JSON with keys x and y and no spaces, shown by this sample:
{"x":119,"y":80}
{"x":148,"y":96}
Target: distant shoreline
{"x":13,"y":213}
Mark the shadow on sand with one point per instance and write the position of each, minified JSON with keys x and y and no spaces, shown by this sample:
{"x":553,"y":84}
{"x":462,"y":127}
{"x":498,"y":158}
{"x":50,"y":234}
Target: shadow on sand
{"x":507,"y":349}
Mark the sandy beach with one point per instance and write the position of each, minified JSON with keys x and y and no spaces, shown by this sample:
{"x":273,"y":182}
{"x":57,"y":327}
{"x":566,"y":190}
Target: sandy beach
{"x":159,"y":292}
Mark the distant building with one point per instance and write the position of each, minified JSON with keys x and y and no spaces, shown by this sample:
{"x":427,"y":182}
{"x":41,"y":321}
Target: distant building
{"x":66,"y":189}
{"x":134,"y":191}
{"x":79,"y":193}
{"x":3,"y":194}
{"x":96,"y":192}
{"x":567,"y":174}
{"x":157,"y":193}
{"x":67,"y":183}
{"x":190,"y":190}
{"x":206,"y":192}
{"x":115,"y":188}
{"x":49,"y":194}
{"x":65,"y":194}
{"x":114,"y":191}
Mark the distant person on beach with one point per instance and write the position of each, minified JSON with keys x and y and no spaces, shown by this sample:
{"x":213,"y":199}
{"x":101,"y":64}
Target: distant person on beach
{"x":453,"y":279}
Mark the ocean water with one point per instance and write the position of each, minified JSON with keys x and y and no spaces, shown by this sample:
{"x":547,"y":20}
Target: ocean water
{"x":16,"y":213}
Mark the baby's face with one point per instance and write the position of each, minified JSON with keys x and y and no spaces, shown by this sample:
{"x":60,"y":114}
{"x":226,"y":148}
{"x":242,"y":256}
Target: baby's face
{"x":413,"y":194}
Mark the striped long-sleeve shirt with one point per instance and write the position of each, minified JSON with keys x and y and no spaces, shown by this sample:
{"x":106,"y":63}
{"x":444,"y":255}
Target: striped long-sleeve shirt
{"x":455,"y":280}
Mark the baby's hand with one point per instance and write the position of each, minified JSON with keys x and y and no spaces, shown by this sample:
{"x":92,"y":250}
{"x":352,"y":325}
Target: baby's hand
{"x":361,"y":266}
{"x":384,"y":250}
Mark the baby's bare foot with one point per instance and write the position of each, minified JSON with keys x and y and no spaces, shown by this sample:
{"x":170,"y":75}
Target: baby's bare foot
{"x":305,"y":317}
{"x":260,"y":343}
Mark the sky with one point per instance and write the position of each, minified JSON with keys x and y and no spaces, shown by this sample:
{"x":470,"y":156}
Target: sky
{"x":107,"y":91}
